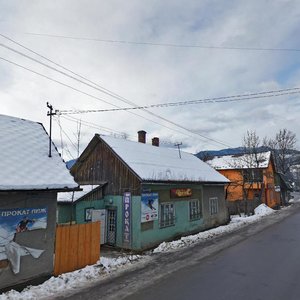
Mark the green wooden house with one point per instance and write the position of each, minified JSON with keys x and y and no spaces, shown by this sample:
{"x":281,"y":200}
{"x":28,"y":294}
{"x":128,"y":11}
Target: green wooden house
{"x":152,"y":194}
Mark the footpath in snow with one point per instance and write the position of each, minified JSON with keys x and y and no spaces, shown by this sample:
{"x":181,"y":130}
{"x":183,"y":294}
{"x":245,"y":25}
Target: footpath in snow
{"x":106,"y":266}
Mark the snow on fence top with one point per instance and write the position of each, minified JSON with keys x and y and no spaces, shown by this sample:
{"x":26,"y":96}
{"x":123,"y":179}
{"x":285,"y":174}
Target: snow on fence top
{"x":24,"y":160}
{"x":243,"y":161}
{"x":152,"y":163}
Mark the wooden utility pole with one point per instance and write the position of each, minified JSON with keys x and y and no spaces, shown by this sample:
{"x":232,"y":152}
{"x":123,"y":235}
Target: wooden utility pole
{"x":50,"y":113}
{"x":178,"y":146}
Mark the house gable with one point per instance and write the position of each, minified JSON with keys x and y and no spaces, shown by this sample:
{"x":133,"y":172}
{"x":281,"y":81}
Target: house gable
{"x":100,"y":163}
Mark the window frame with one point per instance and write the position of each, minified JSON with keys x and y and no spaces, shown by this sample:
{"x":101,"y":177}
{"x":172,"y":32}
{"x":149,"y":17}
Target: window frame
{"x":167,"y":216}
{"x":88,"y":214}
{"x":213,"y":205}
{"x":195,"y":212}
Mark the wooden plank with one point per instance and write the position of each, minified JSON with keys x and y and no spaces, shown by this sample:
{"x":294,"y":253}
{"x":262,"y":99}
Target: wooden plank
{"x":58,"y":244}
{"x":88,"y":235}
{"x":95,"y":242}
{"x":73,"y":246}
{"x":82,"y":246}
{"x":66,"y":246}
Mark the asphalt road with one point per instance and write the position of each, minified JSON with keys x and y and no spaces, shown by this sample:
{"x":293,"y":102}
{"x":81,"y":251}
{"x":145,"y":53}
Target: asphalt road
{"x":264,"y":266}
{"x":260,"y":261}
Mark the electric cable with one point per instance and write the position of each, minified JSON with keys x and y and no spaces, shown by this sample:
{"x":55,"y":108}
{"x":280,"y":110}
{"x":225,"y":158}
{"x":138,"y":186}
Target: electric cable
{"x":173,"y":45}
{"x":115,"y":96}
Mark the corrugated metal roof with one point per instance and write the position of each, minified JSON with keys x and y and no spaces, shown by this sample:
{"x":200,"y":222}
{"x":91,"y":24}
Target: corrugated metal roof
{"x":24,"y":160}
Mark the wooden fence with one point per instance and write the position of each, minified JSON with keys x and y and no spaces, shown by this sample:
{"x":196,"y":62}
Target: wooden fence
{"x":76,"y":246}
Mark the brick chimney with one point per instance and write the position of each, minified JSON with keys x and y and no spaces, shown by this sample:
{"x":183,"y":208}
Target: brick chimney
{"x":142,"y":136}
{"x":155,"y":141}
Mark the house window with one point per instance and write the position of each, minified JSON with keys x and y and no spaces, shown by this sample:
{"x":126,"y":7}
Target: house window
{"x":195,"y":210}
{"x":213,"y":206}
{"x":88,"y":214}
{"x":167,"y":215}
{"x":253,"y":175}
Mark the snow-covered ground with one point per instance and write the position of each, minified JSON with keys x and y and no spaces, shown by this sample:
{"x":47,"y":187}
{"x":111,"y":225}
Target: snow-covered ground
{"x":106,"y":265}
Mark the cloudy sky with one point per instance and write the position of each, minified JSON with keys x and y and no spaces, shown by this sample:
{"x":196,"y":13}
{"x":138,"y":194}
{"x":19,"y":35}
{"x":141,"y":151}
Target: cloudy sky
{"x":151,"y":52}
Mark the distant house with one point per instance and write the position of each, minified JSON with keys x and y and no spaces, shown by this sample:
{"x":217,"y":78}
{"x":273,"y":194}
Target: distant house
{"x":152,"y":193}
{"x":29,"y":183}
{"x":252,"y":180}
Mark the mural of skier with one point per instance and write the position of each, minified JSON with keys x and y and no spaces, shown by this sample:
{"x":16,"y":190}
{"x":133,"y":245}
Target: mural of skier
{"x":15,"y":221}
{"x":149,"y":207}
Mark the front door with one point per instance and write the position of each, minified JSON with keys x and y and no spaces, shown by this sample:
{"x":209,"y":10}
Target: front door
{"x":100,"y":215}
{"x":111,"y":226}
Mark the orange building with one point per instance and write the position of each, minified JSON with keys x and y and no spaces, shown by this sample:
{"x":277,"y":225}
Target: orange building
{"x":252,"y":180}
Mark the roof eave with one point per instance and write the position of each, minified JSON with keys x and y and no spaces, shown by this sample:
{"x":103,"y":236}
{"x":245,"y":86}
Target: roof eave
{"x":67,"y":189}
{"x":183,"y":182}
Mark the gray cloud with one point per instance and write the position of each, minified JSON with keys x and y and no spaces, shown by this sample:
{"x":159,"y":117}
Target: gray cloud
{"x":154,"y":74}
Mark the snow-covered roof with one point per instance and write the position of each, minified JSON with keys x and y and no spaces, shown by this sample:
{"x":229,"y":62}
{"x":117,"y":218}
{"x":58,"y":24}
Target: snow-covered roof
{"x":153,"y":163}
{"x":244,"y":161}
{"x":67,"y":197}
{"x":24,"y":160}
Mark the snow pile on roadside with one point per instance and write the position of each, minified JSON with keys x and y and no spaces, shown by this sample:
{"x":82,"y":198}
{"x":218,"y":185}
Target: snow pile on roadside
{"x":296,"y":197}
{"x":72,"y":280}
{"x":263,"y":210}
{"x":235,"y":223}
{"x":110,"y":264}
{"x":79,"y":278}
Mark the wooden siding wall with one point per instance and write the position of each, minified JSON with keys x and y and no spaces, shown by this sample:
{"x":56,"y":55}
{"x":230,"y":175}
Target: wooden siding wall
{"x":104,"y":165}
{"x":94,"y":195}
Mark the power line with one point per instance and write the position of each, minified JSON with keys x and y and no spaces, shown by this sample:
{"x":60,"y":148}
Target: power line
{"x":225,"y":99}
{"x":87,"y":94}
{"x":62,"y":131}
{"x":173,"y":45}
{"x":95,"y":97}
{"x":112,"y":94}
{"x":106,"y":91}
{"x":47,"y":59}
{"x":109,"y":130}
{"x":93,"y":125}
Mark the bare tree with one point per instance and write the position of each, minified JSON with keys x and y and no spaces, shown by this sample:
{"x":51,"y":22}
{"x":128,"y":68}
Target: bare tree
{"x":281,"y":145}
{"x":252,"y":149}
{"x":250,"y":174}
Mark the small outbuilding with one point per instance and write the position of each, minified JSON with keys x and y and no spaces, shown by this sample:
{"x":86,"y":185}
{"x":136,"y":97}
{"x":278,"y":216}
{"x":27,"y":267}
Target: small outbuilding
{"x":153,"y":193}
{"x":29,"y":182}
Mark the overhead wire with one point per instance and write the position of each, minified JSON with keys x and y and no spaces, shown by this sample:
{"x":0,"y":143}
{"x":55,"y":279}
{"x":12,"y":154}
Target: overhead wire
{"x":95,"y":126}
{"x":56,"y":118}
{"x":110,"y":130}
{"x":112,"y":94}
{"x":225,"y":99}
{"x":95,"y":97}
{"x":75,"y":89}
{"x":173,"y":45}
{"x":118,"y":97}
{"x":60,"y":133}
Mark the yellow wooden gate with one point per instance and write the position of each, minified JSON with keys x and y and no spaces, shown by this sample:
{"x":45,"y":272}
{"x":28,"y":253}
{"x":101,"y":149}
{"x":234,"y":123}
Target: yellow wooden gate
{"x":76,"y":246}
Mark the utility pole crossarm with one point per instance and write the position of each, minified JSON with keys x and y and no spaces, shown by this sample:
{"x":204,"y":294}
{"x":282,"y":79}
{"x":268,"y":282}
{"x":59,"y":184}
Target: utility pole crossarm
{"x":178,"y":146}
